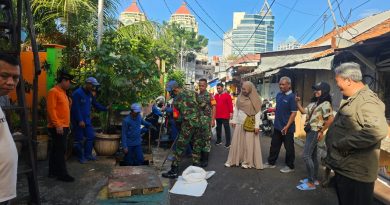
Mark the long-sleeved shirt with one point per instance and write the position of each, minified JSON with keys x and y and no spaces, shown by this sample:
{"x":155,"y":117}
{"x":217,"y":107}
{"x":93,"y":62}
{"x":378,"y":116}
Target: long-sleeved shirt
{"x":239,"y":117}
{"x":131,"y":130}
{"x":58,"y":110}
{"x":224,"y":106}
{"x":82,"y":101}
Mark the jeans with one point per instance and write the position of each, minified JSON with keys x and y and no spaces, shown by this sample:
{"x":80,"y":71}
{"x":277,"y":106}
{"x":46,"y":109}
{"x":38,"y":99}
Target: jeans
{"x":352,"y":192}
{"x":57,"y":165}
{"x":310,"y":156}
{"x":277,"y":140}
{"x":226,"y":126}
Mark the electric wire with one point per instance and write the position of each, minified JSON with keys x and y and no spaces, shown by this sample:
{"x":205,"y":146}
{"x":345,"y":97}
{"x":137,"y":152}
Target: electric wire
{"x":285,"y":19}
{"x":258,"y":25}
{"x":208,"y":26}
{"x":166,"y":5}
{"x":295,"y":10}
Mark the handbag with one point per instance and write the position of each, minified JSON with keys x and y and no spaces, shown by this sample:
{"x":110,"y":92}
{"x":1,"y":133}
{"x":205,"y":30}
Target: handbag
{"x":307,"y":127}
{"x":249,"y":123}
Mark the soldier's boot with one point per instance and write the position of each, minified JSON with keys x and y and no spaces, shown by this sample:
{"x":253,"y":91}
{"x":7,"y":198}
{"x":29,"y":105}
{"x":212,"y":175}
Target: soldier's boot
{"x":173,"y":173}
{"x":204,"y":159}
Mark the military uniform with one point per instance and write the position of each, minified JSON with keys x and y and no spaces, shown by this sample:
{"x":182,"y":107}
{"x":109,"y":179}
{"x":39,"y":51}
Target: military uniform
{"x":206,"y":103}
{"x":185,"y":102}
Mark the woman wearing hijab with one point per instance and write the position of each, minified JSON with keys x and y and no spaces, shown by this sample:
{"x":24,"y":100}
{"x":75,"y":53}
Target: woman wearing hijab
{"x":319,"y":115}
{"x":245,"y":148}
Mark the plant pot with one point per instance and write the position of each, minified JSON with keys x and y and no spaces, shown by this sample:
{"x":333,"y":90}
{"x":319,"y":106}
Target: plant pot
{"x":106,"y":144}
{"x":42,"y":147}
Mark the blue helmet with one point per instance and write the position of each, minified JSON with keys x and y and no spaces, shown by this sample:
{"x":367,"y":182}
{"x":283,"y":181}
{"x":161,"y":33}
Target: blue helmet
{"x":135,"y":107}
{"x":171,"y":85}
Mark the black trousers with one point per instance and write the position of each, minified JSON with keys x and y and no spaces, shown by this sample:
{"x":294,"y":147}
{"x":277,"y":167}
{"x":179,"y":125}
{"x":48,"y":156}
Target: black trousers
{"x":6,"y":202}
{"x":57,"y":165}
{"x":225,"y":123}
{"x":277,"y":140}
{"x":352,"y":192}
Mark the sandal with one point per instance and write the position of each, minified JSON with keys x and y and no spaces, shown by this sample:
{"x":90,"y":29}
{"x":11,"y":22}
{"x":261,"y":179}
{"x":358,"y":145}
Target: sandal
{"x":306,"y":187}
{"x":306,"y":180}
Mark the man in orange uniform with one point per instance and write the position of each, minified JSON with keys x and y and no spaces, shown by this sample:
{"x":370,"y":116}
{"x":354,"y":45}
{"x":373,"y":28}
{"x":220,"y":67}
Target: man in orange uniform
{"x":58,"y":112}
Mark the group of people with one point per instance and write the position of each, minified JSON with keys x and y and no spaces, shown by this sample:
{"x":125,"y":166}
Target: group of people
{"x":352,"y":139}
{"x":353,"y":136}
{"x":62,"y":112}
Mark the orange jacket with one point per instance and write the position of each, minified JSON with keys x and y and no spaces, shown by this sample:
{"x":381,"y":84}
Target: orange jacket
{"x":58,"y":109}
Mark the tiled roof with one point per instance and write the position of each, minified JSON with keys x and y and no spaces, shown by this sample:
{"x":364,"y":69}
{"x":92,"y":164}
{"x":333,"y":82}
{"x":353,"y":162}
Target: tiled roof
{"x":247,"y":58}
{"x":328,"y":36}
{"x":133,"y":8}
{"x":369,"y":27}
{"x":378,"y":30}
{"x":183,"y":10}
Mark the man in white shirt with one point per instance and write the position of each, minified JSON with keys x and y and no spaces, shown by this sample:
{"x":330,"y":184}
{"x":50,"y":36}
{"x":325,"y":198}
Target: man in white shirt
{"x":9,"y":78}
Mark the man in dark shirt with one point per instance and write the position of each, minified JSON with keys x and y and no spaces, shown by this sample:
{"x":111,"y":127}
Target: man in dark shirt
{"x":284,"y":127}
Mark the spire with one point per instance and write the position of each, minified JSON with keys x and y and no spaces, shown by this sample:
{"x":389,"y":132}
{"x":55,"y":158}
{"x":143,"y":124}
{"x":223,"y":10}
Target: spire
{"x":265,"y":8}
{"x":133,"y":8}
{"x":183,"y":10}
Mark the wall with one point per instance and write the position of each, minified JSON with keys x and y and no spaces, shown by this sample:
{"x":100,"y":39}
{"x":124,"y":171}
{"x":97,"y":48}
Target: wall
{"x":27,"y":63}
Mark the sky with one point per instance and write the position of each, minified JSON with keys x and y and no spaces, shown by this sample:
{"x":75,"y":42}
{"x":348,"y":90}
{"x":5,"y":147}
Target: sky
{"x":302,"y":19}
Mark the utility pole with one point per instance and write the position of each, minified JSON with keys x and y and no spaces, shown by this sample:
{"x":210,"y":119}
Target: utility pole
{"x":324,"y":18}
{"x":100,"y":22}
{"x":334,"y":17}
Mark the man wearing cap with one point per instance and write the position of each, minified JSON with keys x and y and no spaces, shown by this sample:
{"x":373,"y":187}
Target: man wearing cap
{"x":185,"y":102}
{"x":131,"y":136}
{"x":58,"y":112}
{"x":82,"y":100}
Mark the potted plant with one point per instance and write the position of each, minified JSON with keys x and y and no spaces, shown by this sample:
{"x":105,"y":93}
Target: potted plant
{"x":127,"y":71}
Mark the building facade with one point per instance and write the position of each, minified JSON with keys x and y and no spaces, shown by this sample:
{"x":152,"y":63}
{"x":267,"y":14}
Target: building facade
{"x":253,"y":33}
{"x":132,"y":15}
{"x":184,"y":19}
{"x":290,"y":44}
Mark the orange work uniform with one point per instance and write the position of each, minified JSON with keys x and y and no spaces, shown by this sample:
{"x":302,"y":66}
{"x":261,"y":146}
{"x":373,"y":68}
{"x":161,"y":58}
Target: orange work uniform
{"x":58,"y":109}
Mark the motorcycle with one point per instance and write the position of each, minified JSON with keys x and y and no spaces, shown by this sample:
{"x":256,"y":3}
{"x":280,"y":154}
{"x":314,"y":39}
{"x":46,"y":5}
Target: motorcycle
{"x":267,"y":117}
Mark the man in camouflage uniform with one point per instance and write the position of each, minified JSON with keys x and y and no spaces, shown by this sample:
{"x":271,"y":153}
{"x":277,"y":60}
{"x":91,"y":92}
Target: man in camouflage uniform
{"x":207,"y":120}
{"x":185,"y":102}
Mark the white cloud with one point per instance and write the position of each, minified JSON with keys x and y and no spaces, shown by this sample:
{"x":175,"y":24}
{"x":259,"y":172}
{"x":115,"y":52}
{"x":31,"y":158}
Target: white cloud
{"x":369,"y":12}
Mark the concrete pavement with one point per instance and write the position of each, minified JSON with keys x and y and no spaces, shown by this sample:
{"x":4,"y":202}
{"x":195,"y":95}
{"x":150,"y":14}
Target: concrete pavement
{"x":250,"y":186}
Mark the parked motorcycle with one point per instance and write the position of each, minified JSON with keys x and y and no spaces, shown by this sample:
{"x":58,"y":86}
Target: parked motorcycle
{"x":267,"y":117}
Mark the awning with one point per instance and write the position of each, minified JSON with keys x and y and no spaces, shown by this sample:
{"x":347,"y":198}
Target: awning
{"x":268,"y":74}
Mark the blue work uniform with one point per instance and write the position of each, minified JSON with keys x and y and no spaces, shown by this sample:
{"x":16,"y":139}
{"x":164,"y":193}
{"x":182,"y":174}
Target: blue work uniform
{"x":131,"y":139}
{"x":82,"y":101}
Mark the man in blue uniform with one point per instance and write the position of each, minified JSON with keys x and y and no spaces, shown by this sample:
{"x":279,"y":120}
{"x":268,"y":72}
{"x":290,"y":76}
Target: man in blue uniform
{"x":82,"y":100}
{"x":131,"y":136}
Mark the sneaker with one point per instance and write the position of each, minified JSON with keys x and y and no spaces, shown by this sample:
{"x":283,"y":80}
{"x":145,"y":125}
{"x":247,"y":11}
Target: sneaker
{"x":66,"y":178}
{"x":227,"y":165}
{"x":306,"y":187}
{"x":286,"y":169}
{"x":218,"y":143}
{"x":267,"y":165}
{"x":306,"y":180}
{"x":227,"y":146}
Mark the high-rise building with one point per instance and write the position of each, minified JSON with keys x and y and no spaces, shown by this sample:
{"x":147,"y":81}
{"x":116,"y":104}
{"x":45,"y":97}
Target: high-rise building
{"x":253,"y":33}
{"x":289,"y":44}
{"x":184,"y":19}
{"x":227,"y":44}
{"x":132,"y":15}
